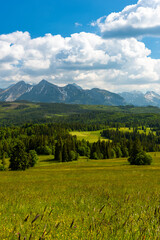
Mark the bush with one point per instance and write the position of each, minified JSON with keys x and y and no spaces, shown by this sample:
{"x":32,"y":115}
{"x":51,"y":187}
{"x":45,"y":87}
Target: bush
{"x":33,"y":158}
{"x":73,"y":155}
{"x":112,"y":153}
{"x":44,"y":150}
{"x":2,"y":167}
{"x":95,"y":156}
{"x":141,"y":158}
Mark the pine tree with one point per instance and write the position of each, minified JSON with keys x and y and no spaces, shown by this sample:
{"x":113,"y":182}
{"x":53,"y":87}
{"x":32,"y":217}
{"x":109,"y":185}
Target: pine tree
{"x":138,"y":156}
{"x":58,"y":150}
{"x":136,"y":148}
{"x":65,"y":156}
{"x":19,"y":158}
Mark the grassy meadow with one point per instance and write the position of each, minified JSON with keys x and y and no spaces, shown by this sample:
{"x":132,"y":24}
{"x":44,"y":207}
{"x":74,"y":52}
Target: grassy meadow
{"x":94,"y":136}
{"x":91,"y":136}
{"x":126,"y":129}
{"x":86,"y":199}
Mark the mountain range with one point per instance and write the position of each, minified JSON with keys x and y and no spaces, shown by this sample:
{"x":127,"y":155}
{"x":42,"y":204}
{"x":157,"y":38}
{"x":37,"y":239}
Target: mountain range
{"x":47,"y":92}
{"x":138,"y":98}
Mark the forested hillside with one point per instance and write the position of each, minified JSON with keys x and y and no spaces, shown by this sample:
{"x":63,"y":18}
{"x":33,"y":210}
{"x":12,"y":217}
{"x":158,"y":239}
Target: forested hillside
{"x":18,"y":113}
{"x":45,"y":128}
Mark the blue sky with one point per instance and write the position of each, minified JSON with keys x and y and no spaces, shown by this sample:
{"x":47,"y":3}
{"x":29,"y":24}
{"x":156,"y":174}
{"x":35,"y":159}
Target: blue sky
{"x":39,"y":17}
{"x":113,"y":45}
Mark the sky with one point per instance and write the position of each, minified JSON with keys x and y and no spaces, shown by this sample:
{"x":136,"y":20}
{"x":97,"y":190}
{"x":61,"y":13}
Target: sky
{"x":113,"y":45}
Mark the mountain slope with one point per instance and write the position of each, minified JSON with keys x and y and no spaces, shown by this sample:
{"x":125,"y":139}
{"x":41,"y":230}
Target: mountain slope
{"x":12,"y":93}
{"x":137,"y":98}
{"x":72,"y":93}
{"x":43,"y":92}
{"x":153,"y":98}
{"x":104,"y":97}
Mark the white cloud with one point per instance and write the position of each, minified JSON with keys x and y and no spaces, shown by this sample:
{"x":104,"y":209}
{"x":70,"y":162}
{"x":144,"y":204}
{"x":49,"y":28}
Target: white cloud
{"x":77,"y":24}
{"x":84,"y":58}
{"x":141,"y":19}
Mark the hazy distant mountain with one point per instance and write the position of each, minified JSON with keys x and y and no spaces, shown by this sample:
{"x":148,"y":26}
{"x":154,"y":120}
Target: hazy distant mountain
{"x":14,"y":91}
{"x":137,"y":98}
{"x":153,"y":98}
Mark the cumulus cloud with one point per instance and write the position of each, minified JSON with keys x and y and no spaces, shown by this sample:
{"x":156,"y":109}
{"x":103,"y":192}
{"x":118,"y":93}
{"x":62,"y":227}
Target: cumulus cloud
{"x":141,"y":19}
{"x":84,"y":58}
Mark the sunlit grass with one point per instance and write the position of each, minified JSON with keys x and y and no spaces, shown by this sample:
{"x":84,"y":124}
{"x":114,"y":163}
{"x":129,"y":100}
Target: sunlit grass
{"x":94,"y":136}
{"x":126,"y":129}
{"x":87,"y":199}
{"x":91,"y":136}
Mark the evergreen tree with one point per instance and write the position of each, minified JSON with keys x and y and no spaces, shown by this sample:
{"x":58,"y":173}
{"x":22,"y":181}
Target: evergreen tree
{"x":19,"y":158}
{"x":138,"y":156}
{"x":65,"y":156}
{"x":118,"y":151}
{"x":142,"y":158}
{"x":136,"y":148}
{"x":58,"y":150}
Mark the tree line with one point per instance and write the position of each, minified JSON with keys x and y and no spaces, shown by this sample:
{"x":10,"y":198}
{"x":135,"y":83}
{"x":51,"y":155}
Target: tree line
{"x":54,"y":139}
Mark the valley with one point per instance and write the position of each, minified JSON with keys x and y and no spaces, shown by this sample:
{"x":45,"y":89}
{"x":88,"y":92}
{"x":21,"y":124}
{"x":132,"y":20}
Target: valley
{"x":65,"y":171}
{"x":80,"y":120}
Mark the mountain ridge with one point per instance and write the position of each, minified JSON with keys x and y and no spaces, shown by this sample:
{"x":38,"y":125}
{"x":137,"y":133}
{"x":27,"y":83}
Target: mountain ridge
{"x":138,"y":98}
{"x":47,"y":92}
{"x":14,"y":91}
{"x":71,"y":93}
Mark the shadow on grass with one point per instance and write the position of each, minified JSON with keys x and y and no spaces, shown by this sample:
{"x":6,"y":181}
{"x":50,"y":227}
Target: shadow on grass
{"x":49,"y":161}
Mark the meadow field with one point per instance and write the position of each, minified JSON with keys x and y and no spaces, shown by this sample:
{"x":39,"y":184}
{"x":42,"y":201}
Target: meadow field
{"x":94,"y":136}
{"x":84,"y":199}
{"x":91,"y":136}
{"x":139,"y":129}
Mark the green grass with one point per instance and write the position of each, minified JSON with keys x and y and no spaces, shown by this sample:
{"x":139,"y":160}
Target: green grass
{"x":126,"y":129}
{"x":94,"y":136}
{"x":91,"y":136}
{"x":87,"y":199}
